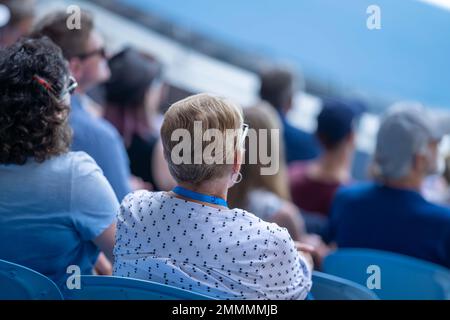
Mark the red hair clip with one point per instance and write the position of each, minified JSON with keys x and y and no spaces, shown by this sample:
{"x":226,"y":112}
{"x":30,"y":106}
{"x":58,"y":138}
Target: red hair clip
{"x":44,"y":84}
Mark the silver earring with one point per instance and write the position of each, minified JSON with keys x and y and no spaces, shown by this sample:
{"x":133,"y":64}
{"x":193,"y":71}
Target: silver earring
{"x":239,"y":178}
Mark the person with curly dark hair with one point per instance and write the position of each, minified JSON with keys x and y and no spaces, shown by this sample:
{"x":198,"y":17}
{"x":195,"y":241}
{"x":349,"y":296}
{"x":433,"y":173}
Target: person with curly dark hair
{"x":56,"y":206}
{"x":84,"y":49}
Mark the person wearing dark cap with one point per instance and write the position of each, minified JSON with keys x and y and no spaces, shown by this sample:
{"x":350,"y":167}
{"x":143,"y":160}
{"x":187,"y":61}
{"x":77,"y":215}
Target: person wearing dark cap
{"x":313,"y":184}
{"x":277,"y":89}
{"x":132,"y":100}
{"x":389,"y":213}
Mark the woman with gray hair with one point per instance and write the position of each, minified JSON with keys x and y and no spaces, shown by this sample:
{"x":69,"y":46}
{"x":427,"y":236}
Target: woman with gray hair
{"x":189,"y":238}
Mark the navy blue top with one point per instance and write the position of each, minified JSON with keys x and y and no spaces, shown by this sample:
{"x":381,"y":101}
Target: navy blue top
{"x":397,"y":220}
{"x":299,"y":145}
{"x":101,"y":141}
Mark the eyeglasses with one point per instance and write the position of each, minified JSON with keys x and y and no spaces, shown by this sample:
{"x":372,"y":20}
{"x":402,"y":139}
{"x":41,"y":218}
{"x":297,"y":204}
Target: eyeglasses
{"x":244,"y":133}
{"x":71,"y":87}
{"x":47,"y":86}
{"x":99,"y":52}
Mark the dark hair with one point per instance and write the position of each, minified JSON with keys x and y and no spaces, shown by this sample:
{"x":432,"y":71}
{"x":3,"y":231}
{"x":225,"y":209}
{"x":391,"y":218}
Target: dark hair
{"x":277,"y":87}
{"x":336,"y":121}
{"x":33,"y":122}
{"x":132,"y":73}
{"x":73,"y":42}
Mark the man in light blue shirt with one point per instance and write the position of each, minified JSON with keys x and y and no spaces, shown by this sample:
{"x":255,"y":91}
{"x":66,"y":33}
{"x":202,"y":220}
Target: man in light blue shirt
{"x":84,"y":50}
{"x":101,"y":141}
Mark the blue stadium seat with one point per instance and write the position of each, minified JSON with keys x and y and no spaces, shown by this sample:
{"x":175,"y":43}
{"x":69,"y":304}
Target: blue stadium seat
{"x":20,"y":283}
{"x":118,"y":288}
{"x":401,"y":277}
{"x":328,"y":287}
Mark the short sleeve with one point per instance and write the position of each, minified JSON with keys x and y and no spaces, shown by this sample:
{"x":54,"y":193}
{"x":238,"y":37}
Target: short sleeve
{"x":287,"y":274}
{"x":93,"y":203}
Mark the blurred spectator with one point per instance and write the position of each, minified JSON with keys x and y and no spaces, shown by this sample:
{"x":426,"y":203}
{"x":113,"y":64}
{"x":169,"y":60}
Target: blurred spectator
{"x":132,"y":101}
{"x":196,"y":241}
{"x":391,"y":214}
{"x":277,"y":88}
{"x":84,"y":49}
{"x":313,"y":184}
{"x":56,"y":207}
{"x":267,"y":196}
{"x":17,"y":16}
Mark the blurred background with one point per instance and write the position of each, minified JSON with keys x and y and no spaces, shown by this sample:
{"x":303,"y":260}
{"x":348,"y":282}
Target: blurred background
{"x":222,"y":47}
{"x":323,"y":72}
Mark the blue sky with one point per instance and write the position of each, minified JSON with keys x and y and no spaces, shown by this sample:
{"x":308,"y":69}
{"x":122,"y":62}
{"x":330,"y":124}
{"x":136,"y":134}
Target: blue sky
{"x":409,"y":58}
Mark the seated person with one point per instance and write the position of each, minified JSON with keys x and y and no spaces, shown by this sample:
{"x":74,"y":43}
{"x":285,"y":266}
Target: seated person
{"x":189,"y":237}
{"x":390,"y":213}
{"x":313,"y":184}
{"x":131,"y":106}
{"x":84,"y":50}
{"x":266,"y":196}
{"x":277,"y":89}
{"x":56,"y":207}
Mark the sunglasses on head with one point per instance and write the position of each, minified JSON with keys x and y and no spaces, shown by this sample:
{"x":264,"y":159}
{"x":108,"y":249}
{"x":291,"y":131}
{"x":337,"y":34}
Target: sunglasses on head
{"x":71,"y":87}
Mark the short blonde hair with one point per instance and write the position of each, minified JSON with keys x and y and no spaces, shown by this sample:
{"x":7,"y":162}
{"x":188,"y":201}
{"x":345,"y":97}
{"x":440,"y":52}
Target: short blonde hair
{"x":214,"y":113}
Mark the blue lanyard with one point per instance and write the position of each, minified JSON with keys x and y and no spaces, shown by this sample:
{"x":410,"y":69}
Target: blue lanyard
{"x":200,"y":196}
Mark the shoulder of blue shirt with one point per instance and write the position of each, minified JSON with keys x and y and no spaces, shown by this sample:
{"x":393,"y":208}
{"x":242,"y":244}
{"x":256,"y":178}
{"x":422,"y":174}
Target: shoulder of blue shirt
{"x":358,"y":191}
{"x":95,"y":127}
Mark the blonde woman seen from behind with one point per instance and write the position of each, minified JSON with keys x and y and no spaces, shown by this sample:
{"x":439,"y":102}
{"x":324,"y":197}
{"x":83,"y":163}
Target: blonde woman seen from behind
{"x":189,"y":237}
